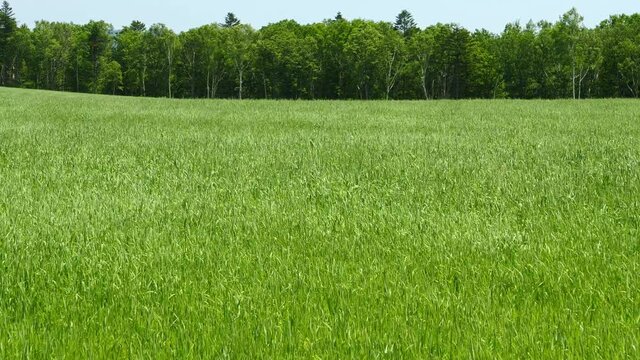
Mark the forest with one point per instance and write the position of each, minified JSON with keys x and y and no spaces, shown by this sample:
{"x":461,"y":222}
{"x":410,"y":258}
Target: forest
{"x":335,"y":59}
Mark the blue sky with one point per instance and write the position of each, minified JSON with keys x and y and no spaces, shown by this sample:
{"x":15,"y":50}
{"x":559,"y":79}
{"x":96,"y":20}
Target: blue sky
{"x":185,"y":14}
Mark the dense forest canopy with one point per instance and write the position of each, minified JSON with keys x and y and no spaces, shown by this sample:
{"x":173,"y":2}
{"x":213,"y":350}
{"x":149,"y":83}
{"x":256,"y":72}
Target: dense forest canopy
{"x":334,"y":59}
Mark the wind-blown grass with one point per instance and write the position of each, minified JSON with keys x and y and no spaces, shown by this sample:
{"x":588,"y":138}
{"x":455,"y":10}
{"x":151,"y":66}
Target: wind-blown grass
{"x":154,"y":228}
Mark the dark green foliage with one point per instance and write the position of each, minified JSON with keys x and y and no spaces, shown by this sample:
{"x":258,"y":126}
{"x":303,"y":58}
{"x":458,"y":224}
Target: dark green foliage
{"x":98,"y":43}
{"x":620,"y":44}
{"x":287,"y":55}
{"x":137,"y":26}
{"x":8,"y":49}
{"x":334,"y":59}
{"x":405,"y":23}
{"x":231,"y":20}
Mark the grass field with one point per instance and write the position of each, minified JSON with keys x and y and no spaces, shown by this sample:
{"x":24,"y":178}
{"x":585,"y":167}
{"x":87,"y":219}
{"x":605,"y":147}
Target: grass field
{"x":154,"y":228}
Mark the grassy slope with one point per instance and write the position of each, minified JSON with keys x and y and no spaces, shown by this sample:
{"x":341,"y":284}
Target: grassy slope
{"x":157,"y":228}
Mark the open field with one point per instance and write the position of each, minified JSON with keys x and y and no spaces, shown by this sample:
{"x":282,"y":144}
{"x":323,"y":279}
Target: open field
{"x":154,"y":228}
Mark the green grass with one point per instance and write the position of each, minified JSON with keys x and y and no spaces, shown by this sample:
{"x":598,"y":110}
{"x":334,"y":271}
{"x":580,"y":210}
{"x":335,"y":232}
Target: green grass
{"x":154,"y":228}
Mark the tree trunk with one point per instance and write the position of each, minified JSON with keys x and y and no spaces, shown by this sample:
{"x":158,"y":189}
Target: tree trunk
{"x":77,"y":75}
{"x":240,"y":74}
{"x":391,"y":76}
{"x":582,"y":75}
{"x":170,"y":63}
{"x":144,"y":85}
{"x":208,"y":83}
{"x":264,"y":85}
{"x":424,"y":86}
{"x":169,"y":79}
{"x":193,"y":74}
{"x":573,"y":78}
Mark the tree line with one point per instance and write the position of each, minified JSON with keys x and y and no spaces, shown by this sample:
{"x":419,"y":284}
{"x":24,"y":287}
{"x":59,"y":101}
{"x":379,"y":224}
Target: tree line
{"x":333,"y":59}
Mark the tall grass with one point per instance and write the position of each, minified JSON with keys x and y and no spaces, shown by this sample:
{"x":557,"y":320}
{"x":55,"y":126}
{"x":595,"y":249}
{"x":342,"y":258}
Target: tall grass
{"x":149,"y":228}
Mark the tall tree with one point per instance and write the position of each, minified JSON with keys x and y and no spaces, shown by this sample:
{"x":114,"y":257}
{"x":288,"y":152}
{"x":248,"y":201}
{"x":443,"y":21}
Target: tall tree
{"x":363,"y":47}
{"x":240,"y":47}
{"x":588,"y":60}
{"x":405,"y":24}
{"x":231,"y":20}
{"x":333,"y":36}
{"x":485,"y":71}
{"x":620,"y":36}
{"x":133,"y":55}
{"x":286,"y":54}
{"x":81,"y":66}
{"x":191,"y":57}
{"x":163,"y":44}
{"x":8,"y":27}
{"x":517,"y":52}
{"x":571,"y":28}
{"x":549,"y":61}
{"x":99,"y":44}
{"x":216,"y":58}
{"x":24,"y":49}
{"x":423,"y":51}
{"x":52,"y":44}
{"x":393,"y":53}
{"x":111,"y":78}
{"x":442,"y":54}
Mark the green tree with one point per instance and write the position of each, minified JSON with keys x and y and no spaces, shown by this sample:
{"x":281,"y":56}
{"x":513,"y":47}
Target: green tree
{"x":571,"y":31}
{"x":216,"y":58}
{"x":81,"y":66}
{"x":620,"y":37}
{"x":201,"y":61}
{"x":363,"y":48}
{"x":405,"y":24}
{"x":48,"y":56}
{"x":133,"y":55}
{"x":24,"y":49}
{"x":286,"y":56}
{"x":588,"y":60}
{"x":549,"y":61}
{"x":162,"y":43}
{"x":8,"y":50}
{"x":393,"y":53}
{"x":111,"y":78}
{"x":517,"y":52}
{"x":441,"y":52}
{"x":332,"y":37}
{"x":240,"y":47}
{"x":55,"y":52}
{"x":99,"y":45}
{"x":191,"y":57}
{"x":422,"y":49}
{"x":485,"y":71}
{"x":231,"y":20}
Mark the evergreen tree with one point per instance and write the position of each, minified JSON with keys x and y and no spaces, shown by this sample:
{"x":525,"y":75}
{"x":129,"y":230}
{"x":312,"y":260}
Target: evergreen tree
{"x":405,"y":23}
{"x":8,"y":27}
{"x":98,"y":42}
{"x":231,"y":20}
{"x":137,"y":26}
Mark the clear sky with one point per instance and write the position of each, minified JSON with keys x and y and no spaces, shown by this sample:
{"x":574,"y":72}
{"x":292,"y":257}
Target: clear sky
{"x":185,"y":14}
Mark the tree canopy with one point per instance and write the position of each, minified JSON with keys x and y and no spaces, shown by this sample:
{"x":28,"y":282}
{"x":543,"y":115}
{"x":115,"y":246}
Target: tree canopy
{"x":337,"y":58}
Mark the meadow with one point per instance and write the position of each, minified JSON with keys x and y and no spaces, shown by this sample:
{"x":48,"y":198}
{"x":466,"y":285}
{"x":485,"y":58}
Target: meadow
{"x":156,"y":228}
